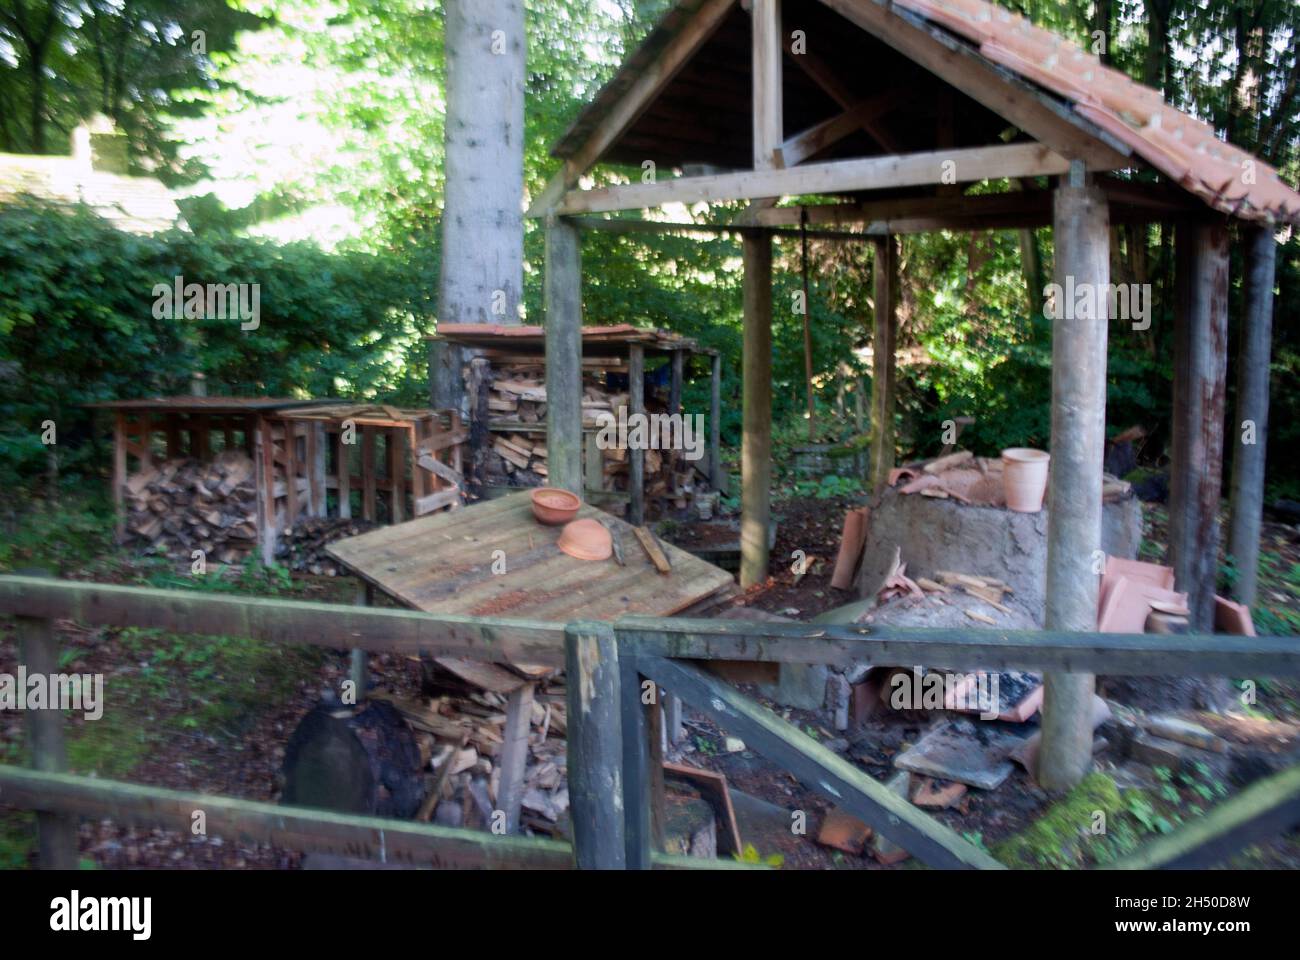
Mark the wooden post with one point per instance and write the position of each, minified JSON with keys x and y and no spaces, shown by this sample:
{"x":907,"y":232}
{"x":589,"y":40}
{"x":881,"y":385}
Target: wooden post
{"x":343,"y":461}
{"x":316,"y":468}
{"x":514,"y":754}
{"x":1081,"y":222}
{"x":756,"y":442}
{"x":715,"y":426}
{"x":637,"y":764}
{"x":767,"y":55}
{"x":359,"y":660}
{"x":593,"y":463}
{"x":1200,"y":383}
{"x":264,"y":459}
{"x":595,"y":739}
{"x":636,"y":457}
{"x":38,"y":651}
{"x":673,"y":457}
{"x":563,"y":296}
{"x":368,"y":466}
{"x":1250,"y":429}
{"x":119,"y":476}
{"x":883,"y":346}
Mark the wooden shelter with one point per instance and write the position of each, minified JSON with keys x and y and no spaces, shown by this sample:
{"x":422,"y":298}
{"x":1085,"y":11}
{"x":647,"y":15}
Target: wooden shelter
{"x":889,"y":109}
{"x":463,"y":356}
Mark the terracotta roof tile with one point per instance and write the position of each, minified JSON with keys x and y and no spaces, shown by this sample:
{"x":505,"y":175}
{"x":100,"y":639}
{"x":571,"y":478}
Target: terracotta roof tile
{"x":1184,"y":149}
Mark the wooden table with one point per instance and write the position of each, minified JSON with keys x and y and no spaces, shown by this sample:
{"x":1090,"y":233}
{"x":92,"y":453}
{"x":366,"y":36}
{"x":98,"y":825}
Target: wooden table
{"x":443,"y":563}
{"x":495,"y":559}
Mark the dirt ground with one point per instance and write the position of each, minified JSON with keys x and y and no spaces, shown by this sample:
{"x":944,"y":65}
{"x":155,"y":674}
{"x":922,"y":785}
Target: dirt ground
{"x":216,"y":718}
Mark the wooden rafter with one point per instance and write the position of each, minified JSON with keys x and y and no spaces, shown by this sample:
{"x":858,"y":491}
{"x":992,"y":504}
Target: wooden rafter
{"x":807,"y":144}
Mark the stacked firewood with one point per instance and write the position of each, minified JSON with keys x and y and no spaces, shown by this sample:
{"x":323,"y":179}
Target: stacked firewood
{"x":184,"y":505}
{"x":302,"y":546}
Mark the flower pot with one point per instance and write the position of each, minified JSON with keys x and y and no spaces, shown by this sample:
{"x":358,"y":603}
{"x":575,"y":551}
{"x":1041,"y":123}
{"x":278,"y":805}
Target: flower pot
{"x":1024,"y":478}
{"x":553,"y":506}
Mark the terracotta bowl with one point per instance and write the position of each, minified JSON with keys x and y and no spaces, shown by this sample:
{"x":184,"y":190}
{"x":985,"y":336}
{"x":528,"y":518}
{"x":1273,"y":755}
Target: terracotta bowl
{"x":586,"y":539}
{"x":553,"y":506}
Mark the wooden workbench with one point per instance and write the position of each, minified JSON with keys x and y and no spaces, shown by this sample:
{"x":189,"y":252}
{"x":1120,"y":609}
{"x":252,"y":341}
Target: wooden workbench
{"x":443,"y":563}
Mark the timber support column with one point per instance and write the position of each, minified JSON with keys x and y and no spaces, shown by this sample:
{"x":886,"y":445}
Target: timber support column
{"x":884,"y":345}
{"x":756,"y":443}
{"x":1200,"y":385}
{"x":563,"y":309}
{"x":1250,"y":428}
{"x":1081,"y":223}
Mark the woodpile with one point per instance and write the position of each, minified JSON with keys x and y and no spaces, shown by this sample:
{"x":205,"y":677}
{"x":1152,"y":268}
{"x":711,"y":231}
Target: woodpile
{"x":184,"y":505}
{"x":302,"y":546}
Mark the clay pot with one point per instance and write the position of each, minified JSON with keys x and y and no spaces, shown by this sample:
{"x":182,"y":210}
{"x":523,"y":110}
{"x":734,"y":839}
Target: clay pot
{"x":1024,"y":478}
{"x":586,"y":539}
{"x":553,"y":506}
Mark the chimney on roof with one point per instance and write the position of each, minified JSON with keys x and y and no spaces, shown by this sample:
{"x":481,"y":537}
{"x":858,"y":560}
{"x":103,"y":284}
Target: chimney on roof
{"x":97,"y":145}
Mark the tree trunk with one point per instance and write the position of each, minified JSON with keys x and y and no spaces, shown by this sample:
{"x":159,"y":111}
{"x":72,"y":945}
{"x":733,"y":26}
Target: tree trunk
{"x":482,"y":221}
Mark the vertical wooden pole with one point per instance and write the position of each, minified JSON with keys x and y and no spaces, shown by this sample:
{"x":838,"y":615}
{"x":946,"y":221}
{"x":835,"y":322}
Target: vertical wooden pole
{"x":1200,"y":383}
{"x":264,"y":458}
{"x":715,"y":425}
{"x":514,"y":754}
{"x":1250,"y":428}
{"x":563,"y":306}
{"x":316,"y":468}
{"x":636,"y":457}
{"x":756,"y":443}
{"x":769,"y":132}
{"x":446,"y":384}
{"x":38,"y":652}
{"x":883,"y":346}
{"x":1081,"y":222}
{"x":675,"y":406}
{"x":359,"y":660}
{"x":343,"y":459}
{"x":291,"y":461}
{"x":639,"y":765}
{"x":369,"y":463}
{"x":396,"y":474}
{"x":595,"y":746}
{"x":119,"y":475}
{"x":593,"y":463}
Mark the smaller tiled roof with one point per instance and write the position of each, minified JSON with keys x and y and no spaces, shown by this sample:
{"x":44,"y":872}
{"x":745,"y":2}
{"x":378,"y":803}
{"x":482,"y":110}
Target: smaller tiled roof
{"x":1184,"y":149}
{"x":133,"y":204}
{"x":621,"y":334}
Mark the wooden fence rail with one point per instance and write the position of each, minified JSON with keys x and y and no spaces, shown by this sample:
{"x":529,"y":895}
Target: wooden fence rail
{"x":612,"y":740}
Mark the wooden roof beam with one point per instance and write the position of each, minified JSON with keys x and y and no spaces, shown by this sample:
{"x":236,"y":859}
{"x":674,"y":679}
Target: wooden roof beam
{"x":632,"y":104}
{"x":809,"y":143}
{"x":835,"y":88}
{"x":842,"y":176}
{"x":998,"y":89}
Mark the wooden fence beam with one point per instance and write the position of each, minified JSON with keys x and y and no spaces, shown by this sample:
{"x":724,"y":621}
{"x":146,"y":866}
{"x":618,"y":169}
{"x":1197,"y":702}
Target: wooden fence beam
{"x":756,"y":388}
{"x":563,"y":309}
{"x":884,"y":345}
{"x":820,"y":768}
{"x":635,"y":456}
{"x":637,"y":771}
{"x":595,"y":746}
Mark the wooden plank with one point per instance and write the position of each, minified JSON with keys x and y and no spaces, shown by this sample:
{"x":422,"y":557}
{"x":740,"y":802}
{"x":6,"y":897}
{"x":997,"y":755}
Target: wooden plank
{"x":653,"y":550}
{"x":292,"y":509}
{"x":647,"y":85}
{"x":595,"y":746}
{"x":514,"y":754}
{"x":343,"y":475}
{"x":890,"y":815}
{"x":294,"y":828}
{"x":1263,"y":810}
{"x":715,"y":426}
{"x":808,"y":143}
{"x":38,"y":652}
{"x":836,"y":645}
{"x":968,"y":165}
{"x":767,"y":60}
{"x":292,"y":622}
{"x":395,"y":449}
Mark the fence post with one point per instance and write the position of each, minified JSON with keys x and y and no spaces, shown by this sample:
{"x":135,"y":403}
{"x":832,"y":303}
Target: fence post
{"x":637,"y":763}
{"x":38,"y":652}
{"x":595,"y":735}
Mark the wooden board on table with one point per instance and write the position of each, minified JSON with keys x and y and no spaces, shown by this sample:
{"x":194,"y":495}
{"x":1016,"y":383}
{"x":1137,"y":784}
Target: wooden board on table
{"x":443,"y":563}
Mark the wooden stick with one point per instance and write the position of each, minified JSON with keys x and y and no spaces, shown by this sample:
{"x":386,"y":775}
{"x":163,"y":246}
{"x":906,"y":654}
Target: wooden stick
{"x":653,"y":550}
